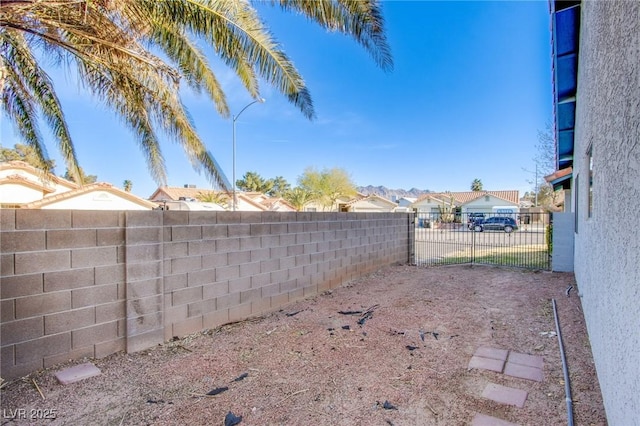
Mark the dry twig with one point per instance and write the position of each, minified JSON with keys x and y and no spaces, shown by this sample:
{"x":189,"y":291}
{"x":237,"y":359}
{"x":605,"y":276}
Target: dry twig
{"x":289,"y":396}
{"x":38,"y":389}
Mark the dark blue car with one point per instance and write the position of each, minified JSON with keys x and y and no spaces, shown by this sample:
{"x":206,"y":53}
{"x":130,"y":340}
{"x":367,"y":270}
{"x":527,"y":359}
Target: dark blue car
{"x":496,"y":223}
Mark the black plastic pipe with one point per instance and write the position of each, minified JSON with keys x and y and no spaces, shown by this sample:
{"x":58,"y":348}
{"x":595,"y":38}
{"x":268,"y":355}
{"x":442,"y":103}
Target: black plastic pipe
{"x":565,"y":371}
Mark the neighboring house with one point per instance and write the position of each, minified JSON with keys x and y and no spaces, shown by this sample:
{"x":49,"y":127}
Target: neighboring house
{"x":490,"y":202}
{"x":274,"y":204}
{"x":596,"y":65}
{"x":21,"y":183}
{"x":24,"y":186}
{"x":369,"y":204}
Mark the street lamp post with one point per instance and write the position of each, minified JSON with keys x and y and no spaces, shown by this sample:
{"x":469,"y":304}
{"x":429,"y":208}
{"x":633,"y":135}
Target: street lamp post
{"x":235,"y":117}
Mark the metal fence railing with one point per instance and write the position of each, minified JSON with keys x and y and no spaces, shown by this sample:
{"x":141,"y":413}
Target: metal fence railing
{"x":513,"y":239}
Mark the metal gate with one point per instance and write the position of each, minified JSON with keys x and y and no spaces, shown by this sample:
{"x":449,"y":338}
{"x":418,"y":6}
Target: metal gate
{"x":513,"y":239}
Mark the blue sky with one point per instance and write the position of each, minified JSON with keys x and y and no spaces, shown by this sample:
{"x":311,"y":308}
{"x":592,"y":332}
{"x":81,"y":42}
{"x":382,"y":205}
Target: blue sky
{"x":470,"y":88}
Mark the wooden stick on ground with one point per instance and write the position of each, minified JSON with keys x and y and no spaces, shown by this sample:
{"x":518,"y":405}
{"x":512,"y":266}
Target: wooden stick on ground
{"x":289,"y":396}
{"x":38,"y":389}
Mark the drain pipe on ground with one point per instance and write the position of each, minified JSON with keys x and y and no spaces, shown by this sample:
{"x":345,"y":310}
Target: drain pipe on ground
{"x":565,"y":371}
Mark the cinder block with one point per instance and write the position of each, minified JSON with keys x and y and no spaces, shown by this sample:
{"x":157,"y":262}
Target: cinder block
{"x":70,"y":238}
{"x":310,"y":290}
{"x":21,"y":330}
{"x":186,"y":295}
{"x":238,"y":258}
{"x":18,"y":241}
{"x":250,"y":296}
{"x":260,"y":254}
{"x":215,"y":319}
{"x":250,"y":243}
{"x":7,"y":360}
{"x":94,"y":334}
{"x":42,"y":304}
{"x":141,"y":289}
{"x":139,"y":218}
{"x":228,"y":301}
{"x":69,"y":320}
{"x":186,"y":233}
{"x":240,"y":284}
{"x":175,"y":282}
{"x":104,"y":349}
{"x":240,"y":312}
{"x":296,"y":295}
{"x":97,"y":219}
{"x":21,"y":369}
{"x":215,"y":289}
{"x":287,"y":240}
{"x":239,"y":230}
{"x":21,"y":285}
{"x":269,"y":217}
{"x":147,"y":235}
{"x":215,"y":260}
{"x":186,"y":264}
{"x":250,"y":217}
{"x":271,"y":265}
{"x":287,"y":286}
{"x":227,"y":273}
{"x":202,"y":218}
{"x":144,"y":271}
{"x":202,"y":277}
{"x":215,"y":231}
{"x":249,"y":269}
{"x":110,"y":274}
{"x":146,"y":340}
{"x":99,"y":256}
{"x":110,"y":237}
{"x":78,"y":353}
{"x":278,"y":228}
{"x":7,"y":311}
{"x":202,"y":247}
{"x":43,"y":261}
{"x":188,"y":326}
{"x":200,"y":308}
{"x":279,"y":300}
{"x":144,"y":307}
{"x":260,"y":306}
{"x":43,"y":219}
{"x":296,"y":272}
{"x":111,"y":311}
{"x":7,"y":264}
{"x":276,"y":252}
{"x":7,"y":219}
{"x":173,"y":250}
{"x":144,"y":253}
{"x":279,"y":276}
{"x":67,"y":280}
{"x":38,"y":349}
{"x":176,"y":314}
{"x":143,"y":324}
{"x":260,"y":280}
{"x":91,"y":296}
{"x":228,"y":245}
{"x":260,"y":229}
{"x":270,"y":290}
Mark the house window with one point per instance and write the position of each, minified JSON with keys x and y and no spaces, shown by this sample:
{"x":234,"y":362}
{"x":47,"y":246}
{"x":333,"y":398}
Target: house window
{"x":590,"y":156}
{"x":486,"y":198}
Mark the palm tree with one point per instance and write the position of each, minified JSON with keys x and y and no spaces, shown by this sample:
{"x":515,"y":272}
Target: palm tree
{"x":476,"y":185}
{"x":134,"y":54}
{"x":219,"y":197}
{"x":127,"y":185}
{"x":298,"y":197}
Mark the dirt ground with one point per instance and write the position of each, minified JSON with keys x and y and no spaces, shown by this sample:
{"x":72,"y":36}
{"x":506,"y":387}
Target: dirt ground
{"x":400,"y":357}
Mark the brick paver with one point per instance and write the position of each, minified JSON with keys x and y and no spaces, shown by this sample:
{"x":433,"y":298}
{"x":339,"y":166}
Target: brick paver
{"x":523,"y":372}
{"x":486,"y":364}
{"x":524,"y":359}
{"x":505,"y":395}
{"x":77,"y":373}
{"x":493,"y":353}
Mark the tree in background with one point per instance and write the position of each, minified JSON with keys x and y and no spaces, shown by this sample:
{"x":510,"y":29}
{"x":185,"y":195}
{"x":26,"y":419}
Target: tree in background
{"x":476,"y":185}
{"x":298,"y":198}
{"x":280,"y":187}
{"x":253,"y":182}
{"x":83,"y":180}
{"x":137,"y":55}
{"x":327,"y":186}
{"x":127,"y":185}
{"x":545,"y":160}
{"x":27,"y":154}
{"x":217,"y":197}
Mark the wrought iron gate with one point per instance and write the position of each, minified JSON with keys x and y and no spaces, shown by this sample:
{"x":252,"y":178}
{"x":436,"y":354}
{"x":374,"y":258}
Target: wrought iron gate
{"x":514,"y":239}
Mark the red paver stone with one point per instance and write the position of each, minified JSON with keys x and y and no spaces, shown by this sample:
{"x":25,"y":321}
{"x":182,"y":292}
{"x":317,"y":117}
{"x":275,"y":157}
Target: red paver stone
{"x":77,"y":373}
{"x":505,"y":395}
{"x":524,"y":359}
{"x":523,"y":372}
{"x":484,"y":420}
{"x":486,"y":364}
{"x":492,"y":353}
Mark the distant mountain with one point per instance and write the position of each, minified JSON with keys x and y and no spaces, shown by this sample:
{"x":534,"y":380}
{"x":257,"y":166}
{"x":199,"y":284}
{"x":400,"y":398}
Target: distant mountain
{"x":387,"y":193}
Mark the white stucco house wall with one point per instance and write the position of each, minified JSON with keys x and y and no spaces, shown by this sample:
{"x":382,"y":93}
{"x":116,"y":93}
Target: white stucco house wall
{"x":370,"y":204}
{"x":24,"y":186}
{"x":597,"y":120}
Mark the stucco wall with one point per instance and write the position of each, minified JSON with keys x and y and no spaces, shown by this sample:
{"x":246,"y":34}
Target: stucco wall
{"x":90,"y":283}
{"x":607,"y":244}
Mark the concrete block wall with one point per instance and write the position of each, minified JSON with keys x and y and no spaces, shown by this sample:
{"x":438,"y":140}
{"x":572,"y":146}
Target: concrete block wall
{"x":88,"y":284}
{"x":62,"y":289}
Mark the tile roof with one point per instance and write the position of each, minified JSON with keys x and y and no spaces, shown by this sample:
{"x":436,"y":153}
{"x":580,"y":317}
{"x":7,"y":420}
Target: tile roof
{"x":460,"y":198}
{"x":45,"y":177}
{"x":102,"y":186}
{"x":175,"y":192}
{"x":22,"y":180}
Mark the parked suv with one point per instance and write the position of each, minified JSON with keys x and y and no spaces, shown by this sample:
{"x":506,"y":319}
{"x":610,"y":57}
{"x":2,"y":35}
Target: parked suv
{"x":473,"y":218}
{"x":496,"y":223}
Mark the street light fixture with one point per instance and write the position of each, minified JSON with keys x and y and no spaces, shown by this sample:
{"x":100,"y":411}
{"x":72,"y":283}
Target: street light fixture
{"x":235,"y":117}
